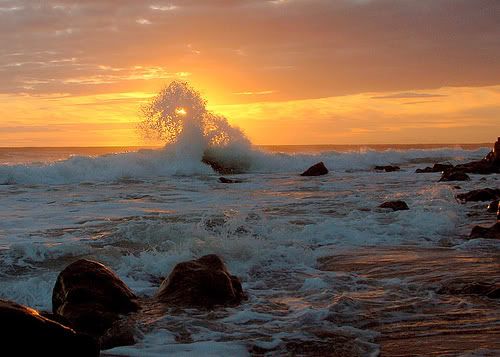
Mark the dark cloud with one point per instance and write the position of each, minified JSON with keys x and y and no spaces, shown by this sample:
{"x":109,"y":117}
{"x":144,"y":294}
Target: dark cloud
{"x":296,"y":48}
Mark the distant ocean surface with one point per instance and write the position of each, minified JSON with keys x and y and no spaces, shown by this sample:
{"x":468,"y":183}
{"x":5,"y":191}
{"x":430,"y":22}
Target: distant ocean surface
{"x":142,"y":210}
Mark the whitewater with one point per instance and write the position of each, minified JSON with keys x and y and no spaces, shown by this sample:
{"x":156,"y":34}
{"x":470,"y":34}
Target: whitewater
{"x":142,"y":212}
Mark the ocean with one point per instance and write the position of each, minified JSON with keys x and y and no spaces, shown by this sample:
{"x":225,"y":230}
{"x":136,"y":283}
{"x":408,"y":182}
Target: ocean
{"x":322,"y":264}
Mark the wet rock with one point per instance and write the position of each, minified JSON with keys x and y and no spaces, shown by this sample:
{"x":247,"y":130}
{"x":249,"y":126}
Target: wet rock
{"x":225,"y":165}
{"x":395,"y":205}
{"x":226,"y":180}
{"x":387,"y":168}
{"x":453,"y":175}
{"x":435,"y":168}
{"x":492,"y":232}
{"x":493,"y":206}
{"x":484,"y":194}
{"x":91,"y":297}
{"x":459,"y":287}
{"x":201,"y":283}
{"x":457,"y":187}
{"x":316,"y":170}
{"x":24,"y":332}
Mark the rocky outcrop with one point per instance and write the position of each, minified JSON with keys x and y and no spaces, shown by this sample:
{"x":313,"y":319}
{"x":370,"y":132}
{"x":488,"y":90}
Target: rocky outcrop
{"x":395,"y":205}
{"x":387,"y":168}
{"x":24,"y":332}
{"x":435,"y":168}
{"x":91,"y":297}
{"x":201,"y":283}
{"x":453,"y":175}
{"x":316,"y":170}
{"x":492,"y":232}
{"x":484,"y":194}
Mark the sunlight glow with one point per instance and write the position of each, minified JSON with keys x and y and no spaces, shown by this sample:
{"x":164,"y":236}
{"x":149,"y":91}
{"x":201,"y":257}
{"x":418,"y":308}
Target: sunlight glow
{"x":181,"y":111}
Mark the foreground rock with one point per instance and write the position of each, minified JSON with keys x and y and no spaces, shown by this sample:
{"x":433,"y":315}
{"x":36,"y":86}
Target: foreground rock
{"x":316,"y":170}
{"x":201,"y":283}
{"x":91,"y":297}
{"x":395,"y":205}
{"x":24,"y":332}
{"x":452,"y":175}
{"x":387,"y":168}
{"x":484,"y":194}
{"x":435,"y":168}
{"x":493,"y":206}
{"x":492,"y":232}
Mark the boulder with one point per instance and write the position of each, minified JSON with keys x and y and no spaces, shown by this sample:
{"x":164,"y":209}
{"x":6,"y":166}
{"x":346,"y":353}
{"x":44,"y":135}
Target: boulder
{"x":452,"y":175}
{"x":226,"y":164}
{"x":387,"y":168}
{"x":25,"y":332}
{"x":91,"y":297}
{"x":395,"y":205}
{"x":484,"y":194}
{"x":316,"y":170}
{"x":492,"y":232}
{"x":435,"y":168}
{"x":226,"y":180}
{"x":201,"y":283}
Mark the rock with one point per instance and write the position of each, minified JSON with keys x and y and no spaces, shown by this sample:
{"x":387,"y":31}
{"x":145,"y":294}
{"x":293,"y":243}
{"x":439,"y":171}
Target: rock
{"x":25,"y":332}
{"x":453,"y":175}
{"x":493,"y":206}
{"x":316,"y":170}
{"x":395,"y":205}
{"x":226,"y":180}
{"x":201,"y":283}
{"x":435,"y":168}
{"x":91,"y":297}
{"x":226,"y":165}
{"x":457,"y":187}
{"x":459,"y":287}
{"x":484,"y":194}
{"x":492,"y":232}
{"x":387,"y":168}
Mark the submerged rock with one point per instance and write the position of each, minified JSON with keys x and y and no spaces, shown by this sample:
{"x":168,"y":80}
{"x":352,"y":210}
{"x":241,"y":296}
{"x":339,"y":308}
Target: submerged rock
{"x":453,"y":175}
{"x":435,"y":168}
{"x":387,"y":168}
{"x":492,"y":232}
{"x":316,"y":170}
{"x":484,"y":194}
{"x":24,"y":332}
{"x":91,"y":297}
{"x":201,"y":283}
{"x":226,"y":180}
{"x":395,"y":205}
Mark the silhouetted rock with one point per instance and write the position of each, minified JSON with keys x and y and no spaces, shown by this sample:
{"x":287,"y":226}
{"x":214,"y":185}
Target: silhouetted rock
{"x":316,"y":170}
{"x":484,"y":194}
{"x":24,"y":332}
{"x":493,"y":206}
{"x":387,"y":168}
{"x":435,"y":168}
{"x":492,"y":232}
{"x":201,"y":283}
{"x":225,"y":165}
{"x":395,"y":205}
{"x":488,"y":165}
{"x":91,"y":297}
{"x":226,"y":180}
{"x":453,"y":175}
{"x":459,"y":287}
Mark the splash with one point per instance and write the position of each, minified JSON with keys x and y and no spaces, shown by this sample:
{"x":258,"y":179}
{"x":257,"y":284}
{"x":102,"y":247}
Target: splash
{"x":178,"y":116}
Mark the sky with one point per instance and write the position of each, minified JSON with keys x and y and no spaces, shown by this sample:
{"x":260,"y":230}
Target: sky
{"x":74,"y":73}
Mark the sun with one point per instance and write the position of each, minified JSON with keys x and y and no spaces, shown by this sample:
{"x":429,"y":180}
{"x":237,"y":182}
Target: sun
{"x":180,"y":111}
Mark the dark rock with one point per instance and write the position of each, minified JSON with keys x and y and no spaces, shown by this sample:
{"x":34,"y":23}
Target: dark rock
{"x":493,"y":206}
{"x":25,"y":332}
{"x":457,"y":187}
{"x":492,"y":232}
{"x":484,"y":194}
{"x":226,"y":180}
{"x":201,"y":283}
{"x":435,"y":168}
{"x":387,"y":168}
{"x":225,"y":165}
{"x":316,"y":170}
{"x":459,"y":287}
{"x":91,"y":297}
{"x":453,"y":175}
{"x":395,"y":205}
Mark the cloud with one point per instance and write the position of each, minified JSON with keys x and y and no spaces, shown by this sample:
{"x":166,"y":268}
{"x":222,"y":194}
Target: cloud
{"x":407,"y":95}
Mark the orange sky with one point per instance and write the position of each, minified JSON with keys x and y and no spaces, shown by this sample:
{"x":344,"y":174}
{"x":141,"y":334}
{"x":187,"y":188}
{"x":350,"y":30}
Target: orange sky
{"x":285,"y":71}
